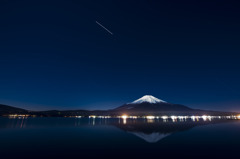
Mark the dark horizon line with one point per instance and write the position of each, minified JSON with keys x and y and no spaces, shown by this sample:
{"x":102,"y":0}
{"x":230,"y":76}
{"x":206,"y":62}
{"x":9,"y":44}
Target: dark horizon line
{"x":102,"y":109}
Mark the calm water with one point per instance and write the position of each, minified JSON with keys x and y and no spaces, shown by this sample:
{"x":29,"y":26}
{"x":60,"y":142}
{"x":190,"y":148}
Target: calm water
{"x":110,"y":138}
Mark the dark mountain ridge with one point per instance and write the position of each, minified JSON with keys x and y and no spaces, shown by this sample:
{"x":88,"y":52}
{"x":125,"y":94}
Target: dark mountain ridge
{"x":5,"y":110}
{"x":145,"y":106}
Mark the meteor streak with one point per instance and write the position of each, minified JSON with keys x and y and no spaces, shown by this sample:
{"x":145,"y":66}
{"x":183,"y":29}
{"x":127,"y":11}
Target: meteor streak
{"x":104,"y":27}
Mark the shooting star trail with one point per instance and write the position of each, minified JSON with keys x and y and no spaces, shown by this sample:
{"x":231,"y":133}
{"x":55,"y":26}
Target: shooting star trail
{"x":104,"y":27}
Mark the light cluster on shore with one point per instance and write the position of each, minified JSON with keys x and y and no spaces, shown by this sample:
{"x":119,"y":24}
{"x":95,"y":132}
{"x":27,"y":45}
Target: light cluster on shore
{"x":165,"y":117}
{"x":148,"y":117}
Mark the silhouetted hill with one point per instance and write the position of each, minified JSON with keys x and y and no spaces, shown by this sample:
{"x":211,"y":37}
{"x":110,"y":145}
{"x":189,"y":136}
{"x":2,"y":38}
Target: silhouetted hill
{"x":6,"y":110}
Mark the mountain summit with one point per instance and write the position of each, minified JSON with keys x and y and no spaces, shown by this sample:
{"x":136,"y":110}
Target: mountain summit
{"x":148,"y":99}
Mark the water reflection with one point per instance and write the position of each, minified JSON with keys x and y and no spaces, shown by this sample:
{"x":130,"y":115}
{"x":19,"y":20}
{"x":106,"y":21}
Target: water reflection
{"x":150,"y":129}
{"x":151,"y":138}
{"x":153,"y":130}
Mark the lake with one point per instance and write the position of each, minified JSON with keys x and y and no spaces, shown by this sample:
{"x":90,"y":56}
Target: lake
{"x":113,"y":137}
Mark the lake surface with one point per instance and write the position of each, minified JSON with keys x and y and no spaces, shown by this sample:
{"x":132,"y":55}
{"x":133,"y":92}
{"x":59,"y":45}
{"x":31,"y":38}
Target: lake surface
{"x":111,"y":138}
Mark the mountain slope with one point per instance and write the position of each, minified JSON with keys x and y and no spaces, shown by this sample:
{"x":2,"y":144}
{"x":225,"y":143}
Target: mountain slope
{"x":153,"y":107}
{"x":5,"y":110}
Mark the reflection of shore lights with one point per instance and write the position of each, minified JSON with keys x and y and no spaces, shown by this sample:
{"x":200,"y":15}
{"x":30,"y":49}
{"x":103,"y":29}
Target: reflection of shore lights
{"x":193,"y":118}
{"x":124,"y":117}
{"x":174,"y":118}
{"x":204,"y":117}
{"x":181,"y":118}
{"x":209,"y":118}
{"x":150,"y":117}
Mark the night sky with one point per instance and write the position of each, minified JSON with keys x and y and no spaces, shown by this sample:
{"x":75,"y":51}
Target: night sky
{"x":53,"y":54}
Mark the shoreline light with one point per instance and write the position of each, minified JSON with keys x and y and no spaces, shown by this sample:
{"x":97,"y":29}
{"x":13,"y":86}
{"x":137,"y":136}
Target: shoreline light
{"x":124,"y":116}
{"x":92,"y":116}
{"x":164,"y":117}
{"x":173,"y":117}
{"x":150,"y":117}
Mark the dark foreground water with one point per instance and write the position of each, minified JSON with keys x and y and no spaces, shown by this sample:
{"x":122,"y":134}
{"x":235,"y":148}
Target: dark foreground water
{"x":113,"y":138}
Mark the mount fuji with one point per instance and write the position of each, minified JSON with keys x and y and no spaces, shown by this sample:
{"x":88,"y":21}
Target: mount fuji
{"x":151,"y":104}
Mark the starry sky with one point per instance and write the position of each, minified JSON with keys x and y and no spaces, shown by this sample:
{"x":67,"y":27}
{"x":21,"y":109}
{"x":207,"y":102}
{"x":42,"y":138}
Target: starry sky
{"x":53,"y":54}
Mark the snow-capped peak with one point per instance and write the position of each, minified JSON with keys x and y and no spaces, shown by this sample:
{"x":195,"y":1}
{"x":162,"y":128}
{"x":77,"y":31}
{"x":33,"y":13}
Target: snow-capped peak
{"x":148,"y":99}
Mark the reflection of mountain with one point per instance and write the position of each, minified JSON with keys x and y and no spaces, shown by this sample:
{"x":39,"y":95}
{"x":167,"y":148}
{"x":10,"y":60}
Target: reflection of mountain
{"x":149,"y":130}
{"x":151,"y":138}
{"x":157,"y":130}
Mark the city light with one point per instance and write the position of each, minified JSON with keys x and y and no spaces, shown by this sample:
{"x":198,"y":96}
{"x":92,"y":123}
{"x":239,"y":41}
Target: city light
{"x":164,"y":117}
{"x":133,"y":117}
{"x":204,"y":117}
{"x":150,"y":117}
{"x":124,"y":116}
{"x":174,"y":118}
{"x":18,"y":115}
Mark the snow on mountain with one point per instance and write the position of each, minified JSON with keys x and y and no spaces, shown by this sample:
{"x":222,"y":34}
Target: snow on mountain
{"x":148,"y":99}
